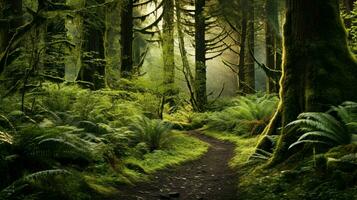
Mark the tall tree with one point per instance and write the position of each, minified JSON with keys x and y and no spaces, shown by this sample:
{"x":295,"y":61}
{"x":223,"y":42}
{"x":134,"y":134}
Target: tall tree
{"x":273,"y":42}
{"x":250,"y":67}
{"x":127,"y":25}
{"x":11,"y":19}
{"x":112,"y":48}
{"x":168,"y":50}
{"x":200,"y":55}
{"x":75,"y":34}
{"x":243,"y":44}
{"x":318,"y":68}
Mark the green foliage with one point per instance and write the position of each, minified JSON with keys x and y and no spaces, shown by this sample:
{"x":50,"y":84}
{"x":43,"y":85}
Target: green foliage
{"x":249,"y":115}
{"x":352,"y":30}
{"x":324,"y":128}
{"x":154,"y":133}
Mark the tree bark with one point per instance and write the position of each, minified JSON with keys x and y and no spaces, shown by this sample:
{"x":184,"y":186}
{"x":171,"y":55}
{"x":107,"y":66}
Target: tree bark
{"x":127,"y":27}
{"x":186,"y":69}
{"x":242,"y":51}
{"x":112,"y":44}
{"x":200,"y":55}
{"x":75,"y":34}
{"x":273,"y":43}
{"x":4,"y":27}
{"x":250,"y":66}
{"x":318,"y":68}
{"x":169,"y":52}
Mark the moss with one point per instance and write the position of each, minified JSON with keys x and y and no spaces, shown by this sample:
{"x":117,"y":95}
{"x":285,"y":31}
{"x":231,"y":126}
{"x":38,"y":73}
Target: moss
{"x":179,"y":150}
{"x":245,"y":146}
{"x":338,"y":152}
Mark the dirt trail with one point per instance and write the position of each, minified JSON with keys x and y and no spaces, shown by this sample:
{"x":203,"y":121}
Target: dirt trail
{"x":207,"y":178}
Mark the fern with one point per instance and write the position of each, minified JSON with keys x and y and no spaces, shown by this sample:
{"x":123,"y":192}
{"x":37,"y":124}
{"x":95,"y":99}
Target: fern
{"x":5,"y":138}
{"x":155,"y":133}
{"x":323,"y":128}
{"x":18,"y":185}
{"x":250,"y":114}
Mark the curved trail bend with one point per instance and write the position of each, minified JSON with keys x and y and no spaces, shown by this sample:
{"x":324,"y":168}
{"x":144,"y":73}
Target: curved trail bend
{"x":207,"y":178}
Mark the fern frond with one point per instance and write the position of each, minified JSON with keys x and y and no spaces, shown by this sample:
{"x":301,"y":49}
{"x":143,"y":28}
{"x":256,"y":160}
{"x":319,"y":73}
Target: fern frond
{"x":6,"y":138}
{"x":310,"y":142}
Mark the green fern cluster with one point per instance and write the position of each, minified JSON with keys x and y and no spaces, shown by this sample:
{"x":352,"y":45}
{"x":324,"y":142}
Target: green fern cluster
{"x":336,"y":127}
{"x":154,"y":133}
{"x":249,"y":115}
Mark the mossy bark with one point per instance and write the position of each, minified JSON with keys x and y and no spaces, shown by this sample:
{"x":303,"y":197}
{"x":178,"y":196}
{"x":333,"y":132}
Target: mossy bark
{"x":75,"y":34}
{"x":200,"y":56}
{"x":168,"y":51}
{"x":93,"y":46}
{"x":112,"y":48}
{"x":318,"y":68}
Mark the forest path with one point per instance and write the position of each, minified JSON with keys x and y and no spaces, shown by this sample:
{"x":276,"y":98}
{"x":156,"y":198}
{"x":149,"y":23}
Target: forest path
{"x":207,"y":178}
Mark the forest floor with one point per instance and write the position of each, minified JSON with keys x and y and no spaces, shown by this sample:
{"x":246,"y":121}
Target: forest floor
{"x":208,"y":177}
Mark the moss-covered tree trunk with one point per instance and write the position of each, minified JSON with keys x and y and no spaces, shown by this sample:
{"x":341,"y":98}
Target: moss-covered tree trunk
{"x":112,"y":43}
{"x":249,"y":67}
{"x":200,"y":55}
{"x":318,"y":68}
{"x":93,"y":70}
{"x":75,"y":34}
{"x":127,"y":28}
{"x":168,"y":51}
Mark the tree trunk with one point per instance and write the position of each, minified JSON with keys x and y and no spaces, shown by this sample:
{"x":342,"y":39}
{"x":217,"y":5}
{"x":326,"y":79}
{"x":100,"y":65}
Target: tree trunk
{"x":273,"y":43}
{"x":168,"y":51}
{"x":112,"y":44}
{"x":200,"y":52}
{"x":186,"y":69}
{"x":242,"y":52}
{"x":93,"y":69}
{"x":318,"y":68}
{"x":4,"y":27}
{"x":75,"y":34}
{"x":10,"y":20}
{"x":127,"y":26}
{"x":250,"y":66}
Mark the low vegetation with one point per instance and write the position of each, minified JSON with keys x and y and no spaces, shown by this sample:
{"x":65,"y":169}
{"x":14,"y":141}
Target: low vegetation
{"x":89,"y":140}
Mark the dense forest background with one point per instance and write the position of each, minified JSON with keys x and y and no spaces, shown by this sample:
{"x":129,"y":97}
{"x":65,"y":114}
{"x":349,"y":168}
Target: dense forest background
{"x":97,"y":94}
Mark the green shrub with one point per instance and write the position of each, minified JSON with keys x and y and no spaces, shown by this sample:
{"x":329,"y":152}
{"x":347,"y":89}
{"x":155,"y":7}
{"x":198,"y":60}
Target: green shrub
{"x":155,"y":133}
